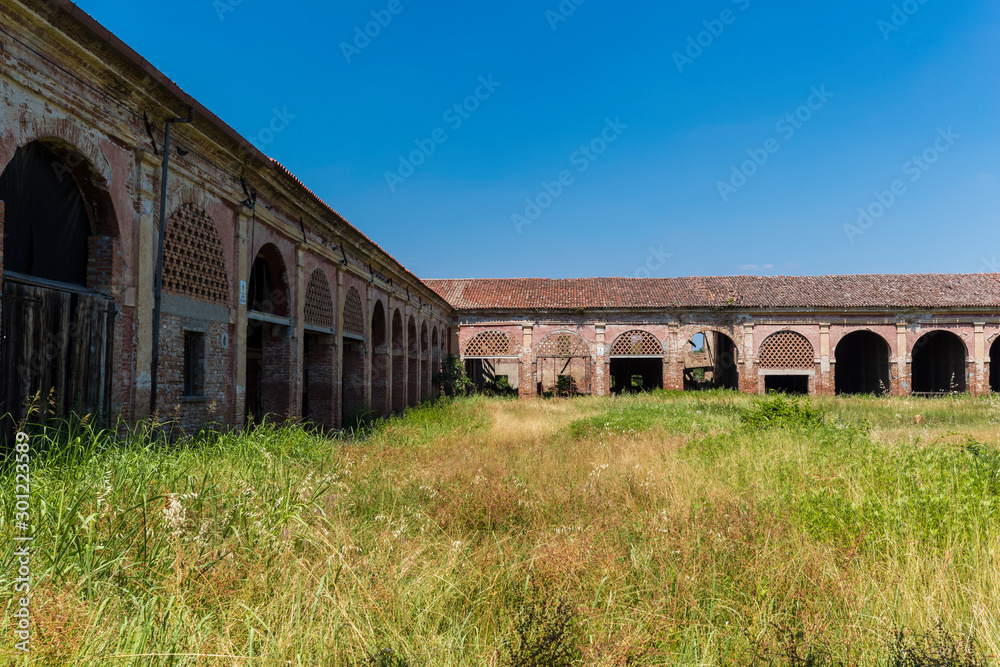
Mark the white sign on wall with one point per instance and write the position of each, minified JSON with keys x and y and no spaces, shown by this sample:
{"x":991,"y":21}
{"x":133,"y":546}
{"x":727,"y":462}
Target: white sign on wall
{"x":243,"y":292}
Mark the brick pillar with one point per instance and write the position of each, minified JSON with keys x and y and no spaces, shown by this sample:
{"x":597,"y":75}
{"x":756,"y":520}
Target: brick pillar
{"x":242,"y":278}
{"x":369,"y":350}
{"x":600,"y":386}
{"x":824,"y":376}
{"x":297,"y":310}
{"x":748,"y":366}
{"x":902,"y":384}
{"x":673,"y":360}
{"x":979,"y":384}
{"x":527,"y":369}
{"x":338,"y":385}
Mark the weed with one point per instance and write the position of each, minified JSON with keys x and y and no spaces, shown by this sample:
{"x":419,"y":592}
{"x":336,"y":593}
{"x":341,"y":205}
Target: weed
{"x":779,"y":411}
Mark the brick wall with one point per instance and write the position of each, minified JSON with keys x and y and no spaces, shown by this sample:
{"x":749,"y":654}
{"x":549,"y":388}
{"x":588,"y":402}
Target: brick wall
{"x":209,"y":409}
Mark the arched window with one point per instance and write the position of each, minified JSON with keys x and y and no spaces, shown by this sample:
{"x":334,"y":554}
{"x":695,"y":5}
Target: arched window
{"x":319,"y":301}
{"x":354,"y":314}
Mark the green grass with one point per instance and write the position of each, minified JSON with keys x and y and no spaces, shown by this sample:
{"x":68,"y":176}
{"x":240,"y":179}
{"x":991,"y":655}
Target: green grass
{"x":689,"y":529}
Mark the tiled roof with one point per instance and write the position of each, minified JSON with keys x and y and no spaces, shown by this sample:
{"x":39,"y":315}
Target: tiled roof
{"x":861,"y":291}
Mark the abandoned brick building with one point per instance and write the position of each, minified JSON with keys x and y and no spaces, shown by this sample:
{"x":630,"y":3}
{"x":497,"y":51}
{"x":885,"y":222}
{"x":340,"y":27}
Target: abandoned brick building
{"x":273,"y":304}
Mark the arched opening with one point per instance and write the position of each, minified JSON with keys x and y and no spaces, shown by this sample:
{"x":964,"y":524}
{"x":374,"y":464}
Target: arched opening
{"x":710,"y":362}
{"x":563,"y":365}
{"x":862,"y":364}
{"x":413,"y":363}
{"x":995,"y":366}
{"x":491,"y":362}
{"x":398,"y":363}
{"x":788,"y":362}
{"x":269,"y":342}
{"x":319,"y":354}
{"x":380,"y":360}
{"x":61,"y":263}
{"x":939,"y":364}
{"x":353,"y":378}
{"x":425,"y":362}
{"x":636,"y":363}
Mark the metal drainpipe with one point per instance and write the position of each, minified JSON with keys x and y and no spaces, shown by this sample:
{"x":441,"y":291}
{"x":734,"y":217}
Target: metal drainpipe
{"x":158,"y":292}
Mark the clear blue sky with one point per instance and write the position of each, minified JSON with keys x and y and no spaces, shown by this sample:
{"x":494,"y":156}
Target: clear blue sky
{"x":894,"y":86}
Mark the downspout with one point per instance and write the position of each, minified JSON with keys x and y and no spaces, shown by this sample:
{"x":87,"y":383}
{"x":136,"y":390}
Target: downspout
{"x":158,"y":293}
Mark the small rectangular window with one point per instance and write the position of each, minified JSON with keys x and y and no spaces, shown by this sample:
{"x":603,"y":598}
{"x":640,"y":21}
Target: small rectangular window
{"x":194,"y":364}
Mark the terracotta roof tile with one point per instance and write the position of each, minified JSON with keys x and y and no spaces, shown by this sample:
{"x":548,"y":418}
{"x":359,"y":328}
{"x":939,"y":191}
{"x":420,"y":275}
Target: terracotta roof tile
{"x":857,"y":291}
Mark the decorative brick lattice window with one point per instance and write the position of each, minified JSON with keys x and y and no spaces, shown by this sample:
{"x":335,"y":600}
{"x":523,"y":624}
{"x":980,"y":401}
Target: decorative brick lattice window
{"x":636,"y":344}
{"x":193,"y":263}
{"x":563,"y":345}
{"x":434,"y":344}
{"x":490,"y":344}
{"x":786,"y":349}
{"x":319,"y":301}
{"x":423,"y":337}
{"x":354,"y":313}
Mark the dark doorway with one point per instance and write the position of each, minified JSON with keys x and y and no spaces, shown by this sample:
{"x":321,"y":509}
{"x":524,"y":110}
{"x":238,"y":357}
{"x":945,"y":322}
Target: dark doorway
{"x":58,"y":324}
{"x":939,"y":364}
{"x":398,"y":364}
{"x":787,"y":384}
{"x":380,"y":361}
{"x":269,"y":346}
{"x":635,"y":375}
{"x":353,"y":392}
{"x":710,"y":361}
{"x":862,"y":364}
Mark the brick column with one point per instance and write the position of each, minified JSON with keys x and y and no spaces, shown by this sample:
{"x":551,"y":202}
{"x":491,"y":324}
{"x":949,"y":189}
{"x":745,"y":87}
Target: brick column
{"x":824,"y":379}
{"x":902,"y":384}
{"x":528,"y":388}
{"x":601,"y":386}
{"x":146,"y":204}
{"x":673,"y":359}
{"x":748,"y":372}
{"x":298,"y":307}
{"x":242,"y":285}
{"x":979,"y":383}
{"x":338,"y":378}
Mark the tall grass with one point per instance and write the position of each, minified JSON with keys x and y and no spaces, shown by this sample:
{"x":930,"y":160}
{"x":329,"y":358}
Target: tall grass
{"x":698,"y":529}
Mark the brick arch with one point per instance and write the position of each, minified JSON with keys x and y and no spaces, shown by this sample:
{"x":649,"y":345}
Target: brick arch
{"x":269,"y":290}
{"x":397,"y":331}
{"x":563,"y":345}
{"x":411,"y":335}
{"x":424,"y":340}
{"x":319,"y":301}
{"x":491,"y":343}
{"x":636,"y":343}
{"x":786,"y":349}
{"x":194,"y":264}
{"x":435,"y":350}
{"x":354,"y":313}
{"x":379,"y":324}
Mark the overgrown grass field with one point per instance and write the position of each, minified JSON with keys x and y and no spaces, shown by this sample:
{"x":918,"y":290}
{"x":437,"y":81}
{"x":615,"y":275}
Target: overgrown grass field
{"x":666,"y":529}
